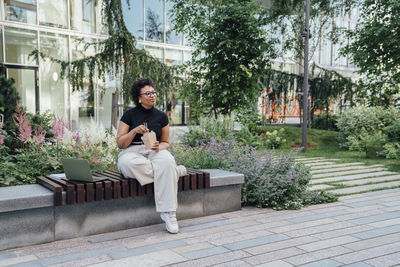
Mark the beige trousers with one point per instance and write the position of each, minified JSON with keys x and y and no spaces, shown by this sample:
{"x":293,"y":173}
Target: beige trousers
{"x":148,"y":167}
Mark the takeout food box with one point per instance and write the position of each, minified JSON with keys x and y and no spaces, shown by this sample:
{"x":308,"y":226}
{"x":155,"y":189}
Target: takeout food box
{"x":149,"y":139}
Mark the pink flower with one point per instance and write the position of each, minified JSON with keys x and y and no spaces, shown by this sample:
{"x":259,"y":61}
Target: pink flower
{"x":21,"y":121}
{"x":40,"y":133}
{"x":2,"y":139}
{"x":58,"y":129}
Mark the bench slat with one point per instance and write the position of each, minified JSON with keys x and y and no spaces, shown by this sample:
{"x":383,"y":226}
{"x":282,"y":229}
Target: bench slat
{"x":115,"y":186}
{"x":70,"y":190}
{"x":49,"y":184}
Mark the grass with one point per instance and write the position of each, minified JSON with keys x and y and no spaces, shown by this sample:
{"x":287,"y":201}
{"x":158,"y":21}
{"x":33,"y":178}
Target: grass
{"x":323,"y":143}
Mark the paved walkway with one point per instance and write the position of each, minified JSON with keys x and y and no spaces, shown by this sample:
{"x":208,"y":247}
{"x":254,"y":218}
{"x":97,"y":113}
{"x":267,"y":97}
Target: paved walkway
{"x":359,"y":230}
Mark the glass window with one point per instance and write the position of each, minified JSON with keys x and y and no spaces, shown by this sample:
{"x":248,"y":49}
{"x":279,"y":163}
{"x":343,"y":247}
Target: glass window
{"x":1,"y":45}
{"x":54,"y":91}
{"x":19,"y":43}
{"x":154,"y":20}
{"x":83,"y":15}
{"x":20,"y":10}
{"x":156,"y":52}
{"x":53,"y":13}
{"x":133,"y":17}
{"x":173,"y":57}
{"x":25,"y":81}
{"x":172,"y":37}
{"x":83,"y":101}
{"x":176,"y":111}
{"x":187,"y":56}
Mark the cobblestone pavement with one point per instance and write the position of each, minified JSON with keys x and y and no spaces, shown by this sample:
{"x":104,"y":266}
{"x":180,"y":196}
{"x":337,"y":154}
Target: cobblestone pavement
{"x":359,"y":230}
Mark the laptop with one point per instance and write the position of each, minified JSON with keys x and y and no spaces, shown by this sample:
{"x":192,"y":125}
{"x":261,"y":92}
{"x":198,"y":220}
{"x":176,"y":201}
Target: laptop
{"x":79,"y":170}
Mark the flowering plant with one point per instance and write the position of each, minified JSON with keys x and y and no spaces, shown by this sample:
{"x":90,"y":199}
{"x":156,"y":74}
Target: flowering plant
{"x":277,"y":182}
{"x":41,"y":151}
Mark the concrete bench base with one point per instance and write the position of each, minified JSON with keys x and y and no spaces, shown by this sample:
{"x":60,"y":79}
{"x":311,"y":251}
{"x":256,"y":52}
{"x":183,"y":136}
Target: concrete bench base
{"x":28,"y":216}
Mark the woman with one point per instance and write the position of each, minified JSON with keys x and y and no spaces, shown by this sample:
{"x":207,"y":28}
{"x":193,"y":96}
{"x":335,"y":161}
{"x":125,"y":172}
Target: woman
{"x":156,"y":165}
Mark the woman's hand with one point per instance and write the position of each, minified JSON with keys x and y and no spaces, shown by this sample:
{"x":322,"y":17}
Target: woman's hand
{"x":156,"y":146}
{"x":141,"y":129}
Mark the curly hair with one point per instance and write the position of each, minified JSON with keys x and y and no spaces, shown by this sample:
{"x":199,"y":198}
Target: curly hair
{"x":137,"y":86}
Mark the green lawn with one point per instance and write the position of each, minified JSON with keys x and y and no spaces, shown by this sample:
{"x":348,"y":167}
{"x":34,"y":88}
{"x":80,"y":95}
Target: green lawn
{"x":323,"y":143}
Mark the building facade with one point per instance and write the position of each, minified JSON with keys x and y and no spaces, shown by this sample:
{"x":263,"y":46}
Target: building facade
{"x":60,"y":29}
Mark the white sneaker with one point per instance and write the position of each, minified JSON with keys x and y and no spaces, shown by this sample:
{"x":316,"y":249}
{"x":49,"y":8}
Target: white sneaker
{"x":181,"y":170}
{"x":170,"y":221}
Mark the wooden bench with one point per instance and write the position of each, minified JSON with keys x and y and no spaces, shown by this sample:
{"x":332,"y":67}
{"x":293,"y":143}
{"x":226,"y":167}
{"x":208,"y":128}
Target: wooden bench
{"x":114,"y":186}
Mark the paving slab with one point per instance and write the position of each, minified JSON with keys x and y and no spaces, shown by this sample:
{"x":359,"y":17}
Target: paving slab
{"x":388,"y":260}
{"x":372,"y":180}
{"x":337,"y":241}
{"x":325,"y":263}
{"x":373,"y":242}
{"x":334,"y":170}
{"x":351,"y":177}
{"x":356,"y":189}
{"x":317,"y":255}
{"x":214,"y":260}
{"x":370,"y":253}
{"x":341,"y":173}
{"x":322,"y":165}
{"x":311,"y":159}
{"x":159,"y":258}
{"x":278,"y":263}
{"x":320,"y":187}
{"x":275,"y":255}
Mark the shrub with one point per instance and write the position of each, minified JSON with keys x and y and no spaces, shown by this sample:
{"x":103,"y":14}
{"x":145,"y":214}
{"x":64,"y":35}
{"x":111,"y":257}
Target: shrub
{"x":318,"y":197}
{"x":374,"y":130}
{"x":219,"y":130}
{"x":392,"y":150}
{"x":370,"y":143}
{"x":368,"y":119}
{"x":325,"y":123}
{"x":393,"y":132}
{"x":251,"y":120}
{"x":274,"y":139}
{"x":270,"y":181}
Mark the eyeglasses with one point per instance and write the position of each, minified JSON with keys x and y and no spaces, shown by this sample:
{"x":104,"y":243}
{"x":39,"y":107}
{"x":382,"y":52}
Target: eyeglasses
{"x":148,"y":94}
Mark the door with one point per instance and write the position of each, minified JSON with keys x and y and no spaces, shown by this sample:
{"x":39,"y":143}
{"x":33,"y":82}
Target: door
{"x":26,"y":83}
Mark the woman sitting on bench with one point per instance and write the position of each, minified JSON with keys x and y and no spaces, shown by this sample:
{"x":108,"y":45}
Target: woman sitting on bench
{"x":150,"y":165}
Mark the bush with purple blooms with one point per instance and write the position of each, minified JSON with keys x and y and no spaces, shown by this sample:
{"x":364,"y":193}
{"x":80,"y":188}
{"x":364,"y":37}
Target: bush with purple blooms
{"x":277,"y":182}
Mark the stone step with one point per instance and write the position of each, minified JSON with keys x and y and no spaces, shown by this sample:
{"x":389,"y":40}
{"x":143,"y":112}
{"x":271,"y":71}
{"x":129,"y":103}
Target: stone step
{"x":332,"y":170}
{"x":372,"y":180}
{"x":310,"y":159}
{"x":320,"y":187}
{"x":331,"y":174}
{"x":320,"y":164}
{"x":335,"y":165}
{"x":351,"y":177}
{"x":356,"y":189}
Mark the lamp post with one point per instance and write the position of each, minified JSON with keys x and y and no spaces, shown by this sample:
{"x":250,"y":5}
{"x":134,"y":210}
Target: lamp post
{"x":306,"y":34}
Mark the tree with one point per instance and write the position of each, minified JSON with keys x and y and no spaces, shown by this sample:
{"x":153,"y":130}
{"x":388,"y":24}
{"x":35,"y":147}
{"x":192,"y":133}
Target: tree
{"x":375,"y":49}
{"x":232,"y":52}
